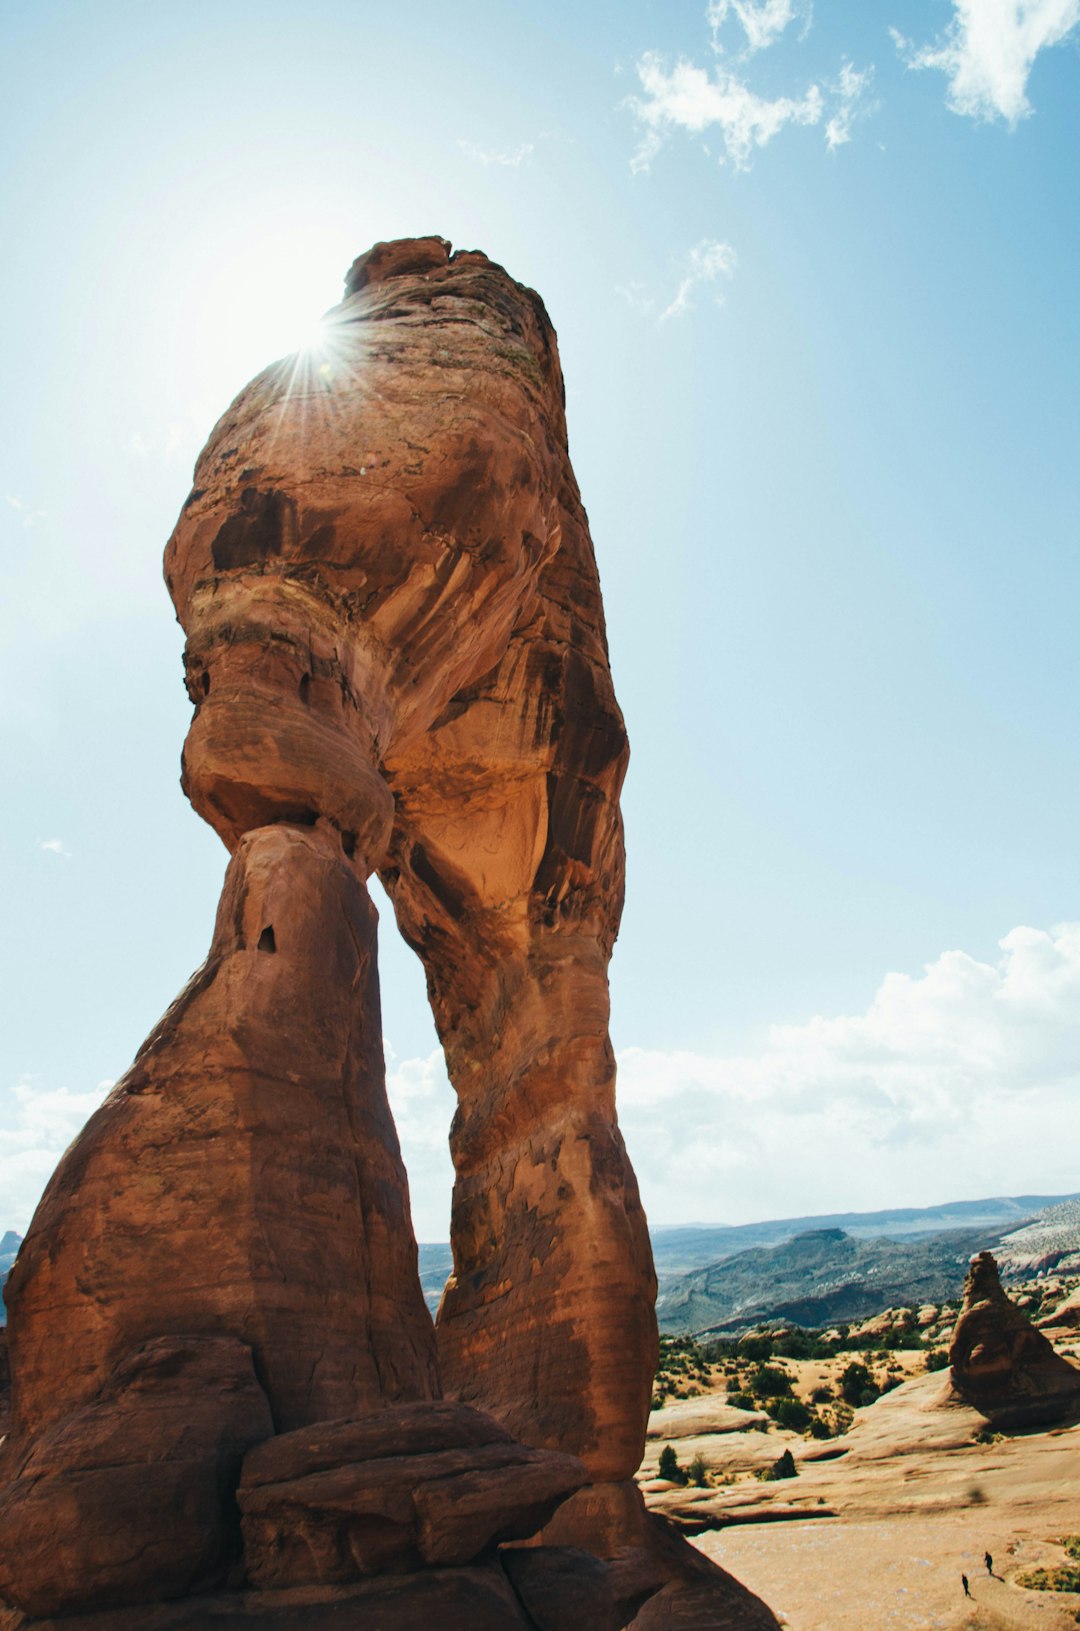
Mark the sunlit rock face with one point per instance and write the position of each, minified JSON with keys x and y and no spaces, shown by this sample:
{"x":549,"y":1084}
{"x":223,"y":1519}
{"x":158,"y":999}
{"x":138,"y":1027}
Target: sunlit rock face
{"x":1001,"y":1364}
{"x":396,"y":651}
{"x":394,"y":623}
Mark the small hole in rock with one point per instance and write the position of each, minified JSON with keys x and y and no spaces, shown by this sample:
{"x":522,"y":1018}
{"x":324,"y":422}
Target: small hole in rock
{"x":348,"y":844}
{"x":266,"y":939}
{"x":205,"y":682}
{"x":305,"y":688}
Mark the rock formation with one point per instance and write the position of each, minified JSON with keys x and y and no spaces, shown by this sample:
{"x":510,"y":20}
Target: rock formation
{"x":397,"y":656}
{"x":1001,"y":1364}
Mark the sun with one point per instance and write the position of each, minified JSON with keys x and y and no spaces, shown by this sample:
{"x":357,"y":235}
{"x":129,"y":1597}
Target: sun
{"x":266,"y":302}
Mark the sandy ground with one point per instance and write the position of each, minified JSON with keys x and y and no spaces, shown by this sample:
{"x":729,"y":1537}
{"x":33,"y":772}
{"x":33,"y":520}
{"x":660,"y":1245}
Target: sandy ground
{"x":875,"y":1536}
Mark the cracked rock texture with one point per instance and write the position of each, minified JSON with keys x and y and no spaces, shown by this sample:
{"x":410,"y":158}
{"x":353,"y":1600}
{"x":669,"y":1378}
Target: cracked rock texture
{"x":1001,"y":1364}
{"x":397,"y":656}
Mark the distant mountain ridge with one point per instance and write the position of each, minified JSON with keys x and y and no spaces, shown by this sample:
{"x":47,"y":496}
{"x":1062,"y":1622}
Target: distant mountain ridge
{"x":682,"y":1250}
{"x":822,"y":1277}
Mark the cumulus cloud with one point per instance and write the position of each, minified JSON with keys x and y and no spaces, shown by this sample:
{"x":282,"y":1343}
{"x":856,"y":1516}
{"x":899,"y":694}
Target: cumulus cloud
{"x":988,"y":51}
{"x":961,"y":1081}
{"x":964,"y":1080}
{"x":763,"y":20}
{"x":510,"y":158}
{"x":689,"y":98}
{"x":423,"y":1103}
{"x":40,"y":1124}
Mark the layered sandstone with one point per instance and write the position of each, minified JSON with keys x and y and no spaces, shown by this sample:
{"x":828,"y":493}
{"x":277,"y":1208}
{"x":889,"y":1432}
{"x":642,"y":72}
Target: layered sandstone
{"x":397,"y":656}
{"x":394,"y":622}
{"x":1001,"y":1364}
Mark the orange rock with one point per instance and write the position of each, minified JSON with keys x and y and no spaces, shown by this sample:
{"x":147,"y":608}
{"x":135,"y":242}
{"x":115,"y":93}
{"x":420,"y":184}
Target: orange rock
{"x":397,"y":655}
{"x":126,"y":1500}
{"x":394,"y":622}
{"x":1001,"y":1364}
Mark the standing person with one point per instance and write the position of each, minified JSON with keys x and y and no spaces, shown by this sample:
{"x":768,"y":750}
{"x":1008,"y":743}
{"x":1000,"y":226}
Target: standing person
{"x":988,"y":1560}
{"x":964,"y":1583}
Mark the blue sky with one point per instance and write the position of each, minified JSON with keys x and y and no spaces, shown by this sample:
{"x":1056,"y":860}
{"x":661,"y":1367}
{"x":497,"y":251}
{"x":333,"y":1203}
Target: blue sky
{"x":814,"y":274}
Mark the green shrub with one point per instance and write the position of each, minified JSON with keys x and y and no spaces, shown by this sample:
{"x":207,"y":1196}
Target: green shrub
{"x":1065,"y":1578}
{"x":698,"y":1472}
{"x":856,"y":1383}
{"x":821,"y":1395}
{"x":668,"y":1466}
{"x":742,"y":1401}
{"x":769,"y":1383}
{"x":784,"y":1468}
{"x":789,"y":1413}
{"x":937,"y":1359}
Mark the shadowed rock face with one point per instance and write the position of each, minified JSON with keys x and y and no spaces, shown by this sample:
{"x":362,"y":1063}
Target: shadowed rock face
{"x":397,"y":656}
{"x":1001,"y":1364}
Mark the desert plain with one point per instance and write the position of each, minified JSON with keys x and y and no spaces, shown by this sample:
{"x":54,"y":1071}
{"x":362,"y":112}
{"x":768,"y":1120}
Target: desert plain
{"x":879,"y":1523}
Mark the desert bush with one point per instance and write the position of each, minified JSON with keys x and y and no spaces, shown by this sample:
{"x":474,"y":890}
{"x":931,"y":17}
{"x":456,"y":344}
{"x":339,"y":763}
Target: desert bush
{"x":1063,"y":1578}
{"x":757,"y":1348}
{"x":783,"y":1468}
{"x":937,"y":1359}
{"x":698,"y":1472}
{"x":769,"y":1383}
{"x":790,"y":1413}
{"x":668,"y":1466}
{"x":857,"y":1385}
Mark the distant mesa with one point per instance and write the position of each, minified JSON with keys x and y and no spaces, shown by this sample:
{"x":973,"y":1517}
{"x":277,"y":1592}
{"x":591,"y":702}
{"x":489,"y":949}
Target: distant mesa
{"x":1001,"y":1364}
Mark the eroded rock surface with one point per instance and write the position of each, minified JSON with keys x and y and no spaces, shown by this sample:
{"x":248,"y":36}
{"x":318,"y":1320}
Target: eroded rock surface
{"x":1001,"y":1364}
{"x":129,"y":1498}
{"x":418,"y":1485}
{"x":397,"y":655}
{"x":394,"y":621}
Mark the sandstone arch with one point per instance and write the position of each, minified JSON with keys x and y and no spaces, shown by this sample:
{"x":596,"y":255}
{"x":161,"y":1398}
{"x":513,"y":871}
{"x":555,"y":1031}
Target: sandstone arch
{"x":396,"y":652}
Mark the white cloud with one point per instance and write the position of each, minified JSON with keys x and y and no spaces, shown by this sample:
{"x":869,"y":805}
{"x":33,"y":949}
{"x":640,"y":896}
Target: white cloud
{"x":850,"y":90}
{"x":54,"y":846}
{"x":706,"y":262}
{"x":508,"y":157}
{"x":988,"y":52}
{"x":40,"y":1127}
{"x":423,"y":1103}
{"x":960,"y":1082}
{"x":691,"y":99}
{"x":763,"y":20}
{"x":964,"y":1081}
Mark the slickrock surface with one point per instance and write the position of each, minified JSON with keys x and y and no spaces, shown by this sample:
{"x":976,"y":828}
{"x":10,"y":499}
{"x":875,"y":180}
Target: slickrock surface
{"x":1001,"y":1364}
{"x":397,"y":655}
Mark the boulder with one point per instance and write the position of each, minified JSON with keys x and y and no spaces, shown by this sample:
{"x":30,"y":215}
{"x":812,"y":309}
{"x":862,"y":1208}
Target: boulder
{"x":430,"y":1484}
